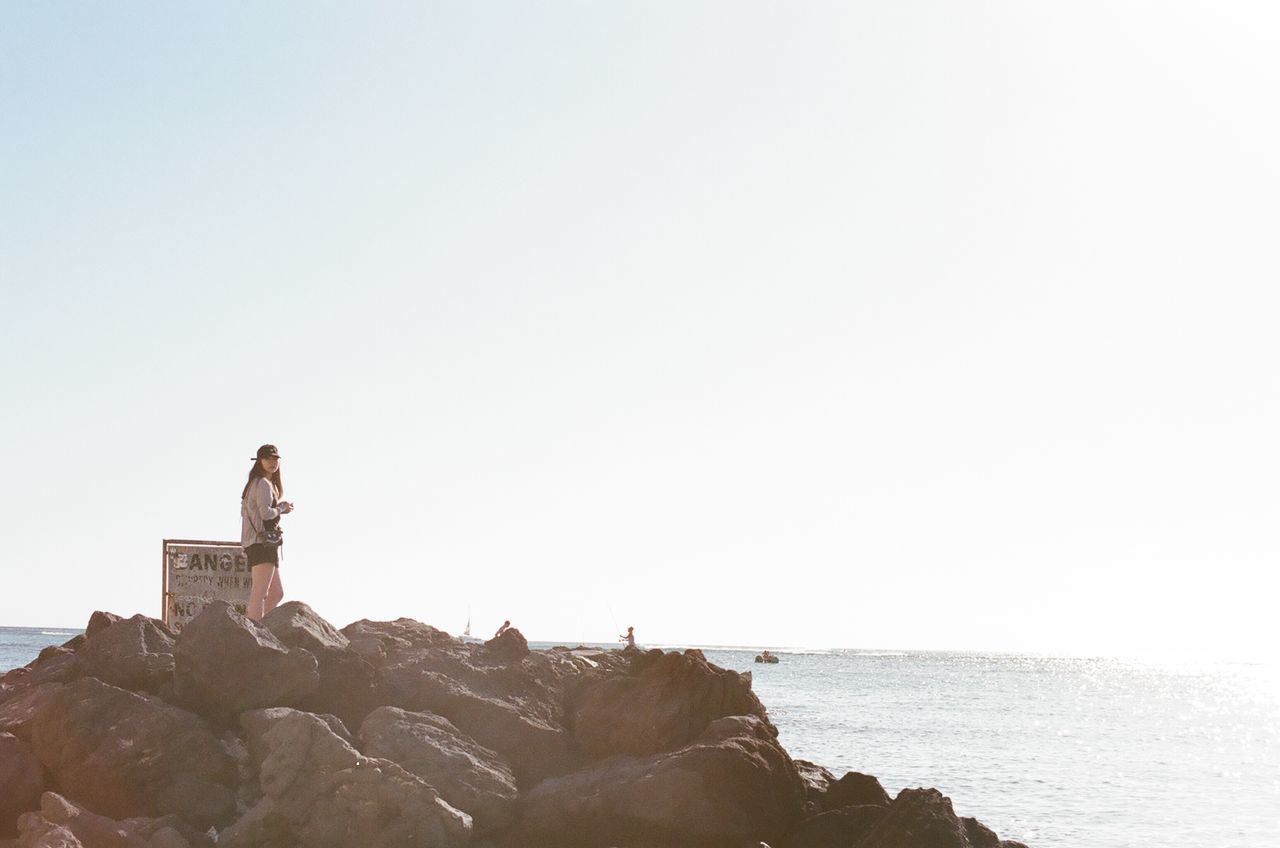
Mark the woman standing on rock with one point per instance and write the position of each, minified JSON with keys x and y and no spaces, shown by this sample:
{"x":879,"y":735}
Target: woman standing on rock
{"x":260,"y":511}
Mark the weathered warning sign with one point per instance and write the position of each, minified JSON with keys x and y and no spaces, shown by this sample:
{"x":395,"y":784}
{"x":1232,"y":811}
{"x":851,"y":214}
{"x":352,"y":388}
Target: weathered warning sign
{"x":197,"y":573}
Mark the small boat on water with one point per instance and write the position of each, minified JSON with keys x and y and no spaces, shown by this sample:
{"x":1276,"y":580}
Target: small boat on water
{"x":466,"y":633}
{"x":766,"y":657}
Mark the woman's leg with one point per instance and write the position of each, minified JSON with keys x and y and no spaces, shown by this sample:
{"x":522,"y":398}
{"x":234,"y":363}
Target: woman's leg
{"x":262,"y":580}
{"x":275,"y":592}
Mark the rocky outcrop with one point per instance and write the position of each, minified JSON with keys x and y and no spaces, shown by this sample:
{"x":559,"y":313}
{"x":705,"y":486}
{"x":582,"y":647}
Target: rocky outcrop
{"x":511,"y":646}
{"x":923,"y":818}
{"x":132,"y":653}
{"x":844,"y":827}
{"x":60,"y":823}
{"x":663,"y":702}
{"x":122,"y":754}
{"x":243,"y":731}
{"x":535,"y":746}
{"x":21,"y":782}
{"x":734,"y":785}
{"x":226,"y":664}
{"x":319,"y":791}
{"x":469,"y":776}
{"x":854,"y":790}
{"x":348,"y":683}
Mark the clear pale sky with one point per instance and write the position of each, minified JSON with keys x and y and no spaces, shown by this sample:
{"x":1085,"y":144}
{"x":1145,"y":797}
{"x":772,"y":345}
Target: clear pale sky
{"x":909,"y":324}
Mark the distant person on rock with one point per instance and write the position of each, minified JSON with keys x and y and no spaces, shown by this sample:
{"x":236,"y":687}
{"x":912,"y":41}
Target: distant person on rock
{"x":630,"y":638}
{"x":260,"y":511}
{"x":506,"y":625}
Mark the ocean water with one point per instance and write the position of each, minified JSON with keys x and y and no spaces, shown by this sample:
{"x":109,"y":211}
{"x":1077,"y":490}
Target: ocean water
{"x":1057,"y":753}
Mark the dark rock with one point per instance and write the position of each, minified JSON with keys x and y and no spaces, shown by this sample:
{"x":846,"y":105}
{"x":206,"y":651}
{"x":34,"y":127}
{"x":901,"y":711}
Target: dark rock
{"x":225,"y":664}
{"x":842,"y":828}
{"x":511,"y":646}
{"x":392,"y":642}
{"x":21,"y":782}
{"x":923,"y":818}
{"x":322,"y":793}
{"x":534,"y":745}
{"x":122,"y":754}
{"x":62,"y":822}
{"x":816,"y":780}
{"x":17,"y":711}
{"x":348,"y":682}
{"x":739,"y":789}
{"x":854,"y":790}
{"x":132,"y":653}
{"x":467,"y":775}
{"x":100,"y":620}
{"x":59,"y":821}
{"x":298,"y":626}
{"x":665,"y":702}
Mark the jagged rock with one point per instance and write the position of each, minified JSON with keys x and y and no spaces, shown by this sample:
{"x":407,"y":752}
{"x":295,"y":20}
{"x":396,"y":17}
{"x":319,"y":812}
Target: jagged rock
{"x":511,"y":646}
{"x":22,"y":705}
{"x":132,"y":653}
{"x":842,"y":827}
{"x":391,"y":642}
{"x":816,"y":780}
{"x":225,"y":664}
{"x":21,"y":782}
{"x":122,"y":754}
{"x":60,"y":820}
{"x":467,"y":775}
{"x":534,"y":745}
{"x":100,"y":620}
{"x":923,"y":818}
{"x":348,"y":682}
{"x":665,"y":702}
{"x":733,"y":790}
{"x":320,"y":792}
{"x":854,"y":790}
{"x":54,"y":665}
{"x":627,"y":748}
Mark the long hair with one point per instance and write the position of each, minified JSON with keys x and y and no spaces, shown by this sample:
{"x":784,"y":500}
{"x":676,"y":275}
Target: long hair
{"x":255,"y":473}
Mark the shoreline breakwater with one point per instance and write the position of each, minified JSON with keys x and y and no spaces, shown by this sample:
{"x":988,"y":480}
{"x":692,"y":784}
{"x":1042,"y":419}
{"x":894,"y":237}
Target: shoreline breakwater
{"x":292,"y":732}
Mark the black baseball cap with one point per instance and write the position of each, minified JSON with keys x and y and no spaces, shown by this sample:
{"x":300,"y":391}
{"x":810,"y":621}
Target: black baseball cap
{"x":267,"y":452}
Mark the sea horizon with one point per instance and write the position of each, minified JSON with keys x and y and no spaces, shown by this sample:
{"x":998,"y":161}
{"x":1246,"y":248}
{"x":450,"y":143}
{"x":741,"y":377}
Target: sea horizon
{"x":1164,"y":659}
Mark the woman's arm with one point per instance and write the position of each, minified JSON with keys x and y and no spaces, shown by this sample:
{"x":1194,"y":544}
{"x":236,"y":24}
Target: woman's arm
{"x":260,"y":495}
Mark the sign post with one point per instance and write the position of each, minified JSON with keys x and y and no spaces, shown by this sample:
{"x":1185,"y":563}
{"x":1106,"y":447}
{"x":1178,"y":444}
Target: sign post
{"x":197,"y":572}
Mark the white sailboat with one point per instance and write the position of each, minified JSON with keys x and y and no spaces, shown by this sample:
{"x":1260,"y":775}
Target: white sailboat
{"x":466,"y":632}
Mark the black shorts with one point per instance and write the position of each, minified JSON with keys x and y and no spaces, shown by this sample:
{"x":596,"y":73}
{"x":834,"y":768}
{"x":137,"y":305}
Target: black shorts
{"x":263,"y":555}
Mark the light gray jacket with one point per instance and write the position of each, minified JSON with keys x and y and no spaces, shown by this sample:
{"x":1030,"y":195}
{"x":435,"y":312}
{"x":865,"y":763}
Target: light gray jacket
{"x":256,"y":505}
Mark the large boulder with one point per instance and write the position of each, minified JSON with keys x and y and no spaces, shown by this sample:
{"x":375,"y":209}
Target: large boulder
{"x":854,"y":790}
{"x":535,"y":746}
{"x":733,"y":787}
{"x":55,"y":664}
{"x":21,"y":782}
{"x":62,"y":823}
{"x":122,"y":754}
{"x":320,"y":792}
{"x":385,"y":643}
{"x":511,"y":646}
{"x":469,"y":776}
{"x":132,"y":653}
{"x":923,"y":818}
{"x":348,"y":682}
{"x":842,"y":827}
{"x":100,"y":620}
{"x":665,"y":702}
{"x":226,"y":663}
{"x":816,"y":779}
